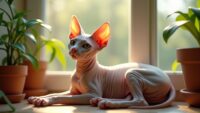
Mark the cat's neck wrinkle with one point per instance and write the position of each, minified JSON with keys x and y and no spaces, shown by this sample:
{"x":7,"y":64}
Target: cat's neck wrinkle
{"x":83,"y":66}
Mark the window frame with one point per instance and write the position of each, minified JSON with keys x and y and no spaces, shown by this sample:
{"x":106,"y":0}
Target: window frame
{"x":143,"y":28}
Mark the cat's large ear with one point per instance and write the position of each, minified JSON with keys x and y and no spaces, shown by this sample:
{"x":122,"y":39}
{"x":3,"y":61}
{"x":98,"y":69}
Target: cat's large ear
{"x":75,"y":28}
{"x":102,"y":35}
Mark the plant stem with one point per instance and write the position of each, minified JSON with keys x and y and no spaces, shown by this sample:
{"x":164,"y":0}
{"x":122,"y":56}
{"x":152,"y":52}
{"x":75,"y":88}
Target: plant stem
{"x":11,"y":11}
{"x":16,"y":60}
{"x":6,"y":13}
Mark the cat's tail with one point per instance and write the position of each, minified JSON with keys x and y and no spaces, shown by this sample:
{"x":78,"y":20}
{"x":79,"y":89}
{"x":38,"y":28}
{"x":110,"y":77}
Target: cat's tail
{"x":164,"y":104}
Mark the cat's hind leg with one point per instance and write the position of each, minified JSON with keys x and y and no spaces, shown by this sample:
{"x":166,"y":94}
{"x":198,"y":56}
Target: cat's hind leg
{"x":135,"y":83}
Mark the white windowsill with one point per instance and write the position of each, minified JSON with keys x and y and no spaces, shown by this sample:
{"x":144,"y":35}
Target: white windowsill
{"x":60,"y":80}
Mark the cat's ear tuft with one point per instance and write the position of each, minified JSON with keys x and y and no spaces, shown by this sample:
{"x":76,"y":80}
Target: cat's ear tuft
{"x":75,"y":28}
{"x":102,"y":35}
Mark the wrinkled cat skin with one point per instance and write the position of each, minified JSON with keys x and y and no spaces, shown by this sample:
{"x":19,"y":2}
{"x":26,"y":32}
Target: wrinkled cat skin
{"x":131,"y":85}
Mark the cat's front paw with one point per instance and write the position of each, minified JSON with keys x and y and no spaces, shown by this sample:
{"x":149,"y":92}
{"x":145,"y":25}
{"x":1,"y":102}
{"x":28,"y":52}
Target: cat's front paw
{"x":40,"y":101}
{"x":32,"y":99}
{"x":105,"y":104}
{"x":95,"y":101}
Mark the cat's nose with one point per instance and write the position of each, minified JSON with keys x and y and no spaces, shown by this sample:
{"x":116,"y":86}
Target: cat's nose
{"x":73,"y":50}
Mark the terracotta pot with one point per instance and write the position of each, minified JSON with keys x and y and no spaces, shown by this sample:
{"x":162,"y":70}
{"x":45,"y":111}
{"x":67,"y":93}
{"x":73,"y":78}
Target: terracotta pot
{"x":12,"y":80}
{"x":35,"y":78}
{"x":193,"y":98}
{"x":34,"y":85}
{"x":190,"y":63}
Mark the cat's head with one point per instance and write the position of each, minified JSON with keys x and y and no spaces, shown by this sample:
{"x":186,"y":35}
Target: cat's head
{"x":84,"y":46}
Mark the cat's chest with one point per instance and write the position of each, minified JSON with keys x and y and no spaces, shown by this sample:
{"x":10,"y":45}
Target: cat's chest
{"x":82,"y":84}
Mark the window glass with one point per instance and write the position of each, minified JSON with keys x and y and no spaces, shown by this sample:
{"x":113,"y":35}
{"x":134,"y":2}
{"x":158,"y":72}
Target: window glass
{"x":92,"y":14}
{"x":181,"y":38}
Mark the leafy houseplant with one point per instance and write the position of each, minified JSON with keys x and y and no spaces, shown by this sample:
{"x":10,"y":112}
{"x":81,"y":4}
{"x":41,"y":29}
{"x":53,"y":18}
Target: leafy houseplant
{"x":188,"y":57}
{"x":13,"y":43}
{"x":34,"y":85}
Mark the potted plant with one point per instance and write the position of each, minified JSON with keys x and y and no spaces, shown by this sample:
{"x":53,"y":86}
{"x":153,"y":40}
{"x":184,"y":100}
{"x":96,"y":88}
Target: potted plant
{"x":34,"y":85}
{"x":188,"y":57}
{"x":13,"y":50}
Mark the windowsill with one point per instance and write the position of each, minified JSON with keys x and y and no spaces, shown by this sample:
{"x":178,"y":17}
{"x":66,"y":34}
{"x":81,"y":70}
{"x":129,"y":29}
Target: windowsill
{"x":57,"y":81}
{"x":24,"y":107}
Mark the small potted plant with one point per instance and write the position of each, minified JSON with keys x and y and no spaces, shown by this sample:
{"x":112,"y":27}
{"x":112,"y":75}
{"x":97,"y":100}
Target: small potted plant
{"x":13,"y":50}
{"x":189,"y":58}
{"x":34,"y":85}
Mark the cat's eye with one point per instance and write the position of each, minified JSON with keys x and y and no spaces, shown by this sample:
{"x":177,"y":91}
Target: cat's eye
{"x":86,"y":46}
{"x":72,"y":42}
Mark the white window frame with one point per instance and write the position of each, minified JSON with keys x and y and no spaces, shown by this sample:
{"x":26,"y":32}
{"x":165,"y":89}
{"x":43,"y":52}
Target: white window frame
{"x":143,"y":32}
{"x":142,"y":41}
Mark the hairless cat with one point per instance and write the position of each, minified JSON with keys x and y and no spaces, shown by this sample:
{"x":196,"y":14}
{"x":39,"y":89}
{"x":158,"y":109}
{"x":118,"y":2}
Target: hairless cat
{"x":130,"y":85}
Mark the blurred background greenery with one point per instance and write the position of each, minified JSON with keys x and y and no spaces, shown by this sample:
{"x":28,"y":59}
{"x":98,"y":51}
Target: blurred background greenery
{"x":93,"y":13}
{"x":181,"y":39}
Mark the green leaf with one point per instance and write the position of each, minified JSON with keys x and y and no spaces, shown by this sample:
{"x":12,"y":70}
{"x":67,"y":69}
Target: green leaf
{"x":196,"y":11}
{"x":19,"y":15}
{"x":4,"y":39}
{"x":59,"y":47}
{"x":20,"y":47}
{"x":31,"y":37}
{"x":1,"y":17}
{"x":169,"y":30}
{"x":182,"y":16}
{"x":53,"y":54}
{"x":48,"y":27}
{"x":33,"y":22}
{"x":58,"y":43}
{"x":175,"y":65}
{"x":61,"y":57}
{"x":2,"y":95}
{"x":196,"y":23}
{"x":190,"y":12}
{"x":23,"y":20}
{"x":32,"y":59}
{"x":35,"y":33}
{"x":193,"y":30}
{"x":3,"y":22}
{"x":10,"y":2}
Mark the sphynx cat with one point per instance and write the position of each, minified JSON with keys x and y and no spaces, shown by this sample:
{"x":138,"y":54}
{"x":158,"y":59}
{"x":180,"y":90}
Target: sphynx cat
{"x":130,"y":85}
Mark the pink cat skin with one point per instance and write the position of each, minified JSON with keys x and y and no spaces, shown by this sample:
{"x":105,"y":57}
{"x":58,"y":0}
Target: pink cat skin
{"x":130,"y":85}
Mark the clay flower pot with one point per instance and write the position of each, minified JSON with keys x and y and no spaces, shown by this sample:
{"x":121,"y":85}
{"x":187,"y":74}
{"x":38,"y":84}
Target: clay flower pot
{"x":12,"y":80}
{"x":190,"y":64}
{"x":34,"y":85}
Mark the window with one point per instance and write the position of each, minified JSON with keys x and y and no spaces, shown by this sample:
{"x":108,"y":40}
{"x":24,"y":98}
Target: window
{"x":92,"y":14}
{"x":145,"y":43}
{"x":167,"y":52}
{"x":143,"y":46}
